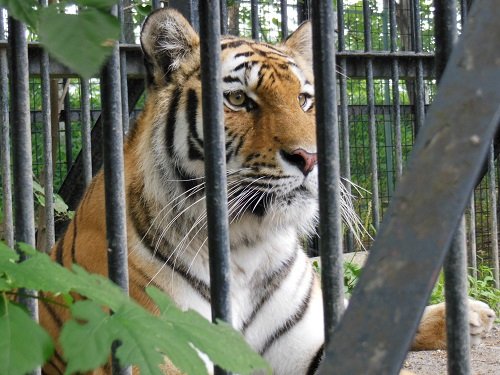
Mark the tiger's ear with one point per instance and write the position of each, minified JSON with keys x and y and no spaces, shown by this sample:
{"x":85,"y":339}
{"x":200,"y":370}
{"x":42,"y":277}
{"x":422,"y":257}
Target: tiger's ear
{"x":299,"y":43}
{"x":167,"y":41}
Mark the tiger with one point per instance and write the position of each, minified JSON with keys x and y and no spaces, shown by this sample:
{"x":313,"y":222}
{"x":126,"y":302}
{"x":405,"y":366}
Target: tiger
{"x":270,"y":139}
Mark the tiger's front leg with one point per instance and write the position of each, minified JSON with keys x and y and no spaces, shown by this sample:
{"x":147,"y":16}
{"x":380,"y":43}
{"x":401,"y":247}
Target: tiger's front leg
{"x":431,"y":334}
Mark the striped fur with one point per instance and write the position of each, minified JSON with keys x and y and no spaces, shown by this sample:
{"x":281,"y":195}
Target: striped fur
{"x":276,"y":297}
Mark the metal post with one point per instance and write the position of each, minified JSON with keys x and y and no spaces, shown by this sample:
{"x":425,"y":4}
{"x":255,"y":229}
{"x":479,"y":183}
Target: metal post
{"x":419,"y":98}
{"x":47,"y":150}
{"x":284,"y":19}
{"x":223,"y":17}
{"x":21,"y":145}
{"x":330,"y":227}
{"x":370,"y":92}
{"x":68,"y":136}
{"x":344,"y":113}
{"x":86,"y":124}
{"x":123,"y":72}
{"x":455,"y":264}
{"x":8,"y":217}
{"x":215,"y":165}
{"x":396,"y":112}
{"x":457,"y":314}
{"x":254,"y":14}
{"x":493,"y":212}
{"x":114,"y":179}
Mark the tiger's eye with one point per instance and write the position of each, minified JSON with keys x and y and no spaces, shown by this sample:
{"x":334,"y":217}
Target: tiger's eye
{"x":302,"y":99}
{"x":237,"y":98}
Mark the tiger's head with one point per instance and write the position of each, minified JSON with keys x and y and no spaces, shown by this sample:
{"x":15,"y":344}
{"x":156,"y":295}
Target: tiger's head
{"x":269,"y":122}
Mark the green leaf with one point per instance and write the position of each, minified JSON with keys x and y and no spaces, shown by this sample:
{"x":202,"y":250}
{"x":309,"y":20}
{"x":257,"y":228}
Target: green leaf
{"x":207,"y":337}
{"x":86,"y":41}
{"x":22,"y":10}
{"x":87,"y":345}
{"x":24,"y":345}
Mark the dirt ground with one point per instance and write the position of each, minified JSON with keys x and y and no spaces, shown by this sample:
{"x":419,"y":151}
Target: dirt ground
{"x":485,"y":358}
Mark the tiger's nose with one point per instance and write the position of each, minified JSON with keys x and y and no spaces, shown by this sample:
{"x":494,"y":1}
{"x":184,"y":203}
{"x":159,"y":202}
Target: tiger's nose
{"x":301,"y":159}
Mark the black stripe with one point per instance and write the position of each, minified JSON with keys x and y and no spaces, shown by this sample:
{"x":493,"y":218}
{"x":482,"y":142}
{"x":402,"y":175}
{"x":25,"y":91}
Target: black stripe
{"x":187,"y":181}
{"x":245,"y":65}
{"x":270,"y":285}
{"x":53,"y":314}
{"x":313,"y":366}
{"x":244,"y":54}
{"x":59,"y":250}
{"x":200,"y":286}
{"x":290,"y":322}
{"x":191,"y":113}
{"x":171,"y":119}
{"x":235,"y":43}
{"x":230,"y":79}
{"x":193,"y":152}
{"x":52,"y":364}
{"x":73,"y":244}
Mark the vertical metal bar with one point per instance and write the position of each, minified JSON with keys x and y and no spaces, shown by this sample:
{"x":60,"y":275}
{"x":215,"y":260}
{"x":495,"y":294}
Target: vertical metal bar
{"x":395,"y":90}
{"x":8,"y":219}
{"x":419,"y":98}
{"x":21,"y":145}
{"x":455,"y":263}
{"x":86,"y":130}
{"x":223,"y":17}
{"x":47,"y":150}
{"x":215,"y":165}
{"x":370,"y":92}
{"x":493,"y":215}
{"x":455,"y":268}
{"x":114,"y":178}
{"x":472,"y":260}
{"x":344,"y":113}
{"x":330,"y":227}
{"x":303,"y":10}
{"x":123,"y":72}
{"x":68,"y":136}
{"x":156,"y":4}
{"x":284,"y":19}
{"x":254,"y":14}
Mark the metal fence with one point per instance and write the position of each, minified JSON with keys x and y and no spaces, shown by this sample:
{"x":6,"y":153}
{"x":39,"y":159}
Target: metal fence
{"x":385,"y":82}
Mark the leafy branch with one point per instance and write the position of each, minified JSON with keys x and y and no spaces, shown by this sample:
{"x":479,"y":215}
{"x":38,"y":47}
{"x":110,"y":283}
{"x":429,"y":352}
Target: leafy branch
{"x":80,"y":41}
{"x":86,"y":338}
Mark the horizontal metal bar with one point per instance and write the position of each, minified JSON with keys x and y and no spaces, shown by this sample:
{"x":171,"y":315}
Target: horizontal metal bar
{"x":374,"y":334}
{"x":355,"y":61}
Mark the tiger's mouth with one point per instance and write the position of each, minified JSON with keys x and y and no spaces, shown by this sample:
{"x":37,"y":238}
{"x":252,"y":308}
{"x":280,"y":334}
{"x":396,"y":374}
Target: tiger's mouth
{"x":259,"y":202}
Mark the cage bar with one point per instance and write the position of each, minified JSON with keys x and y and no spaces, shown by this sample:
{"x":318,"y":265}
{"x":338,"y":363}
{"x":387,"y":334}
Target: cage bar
{"x":419,"y":95}
{"x":330,"y":226}
{"x":85,"y":127}
{"x":284,"y":19}
{"x":112,"y":135}
{"x":123,"y":71}
{"x":472,"y":248}
{"x":254,"y":14}
{"x":493,"y":212}
{"x":215,"y":163}
{"x":8,"y":222}
{"x":344,"y":113}
{"x":396,"y":103}
{"x":372,"y":123}
{"x":48,"y":172}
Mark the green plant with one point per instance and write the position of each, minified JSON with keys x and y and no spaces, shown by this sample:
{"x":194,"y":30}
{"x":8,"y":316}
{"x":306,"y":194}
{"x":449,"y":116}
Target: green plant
{"x":61,"y":209}
{"x":352,"y":271}
{"x":65,"y":36}
{"x":481,"y":288}
{"x":87,"y":337}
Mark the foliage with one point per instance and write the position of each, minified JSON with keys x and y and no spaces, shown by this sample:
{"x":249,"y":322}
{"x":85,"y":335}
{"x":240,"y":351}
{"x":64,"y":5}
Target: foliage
{"x":86,"y":338}
{"x":60,"y":207}
{"x":65,"y":36}
{"x":481,"y":288}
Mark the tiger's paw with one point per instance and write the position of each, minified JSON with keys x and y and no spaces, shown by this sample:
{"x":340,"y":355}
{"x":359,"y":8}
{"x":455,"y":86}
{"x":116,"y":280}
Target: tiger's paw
{"x":431,"y":334}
